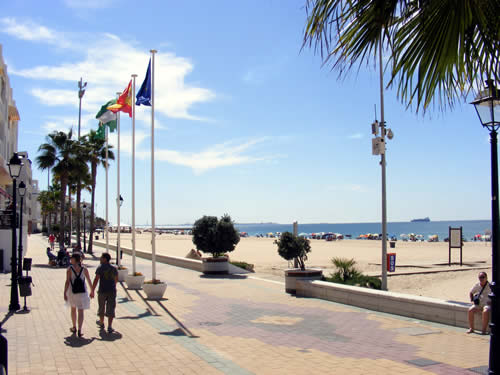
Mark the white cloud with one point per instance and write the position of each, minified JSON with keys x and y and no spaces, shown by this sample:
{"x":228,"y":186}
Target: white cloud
{"x":88,"y":4}
{"x":356,"y":136}
{"x":31,"y":31}
{"x":107,"y":65}
{"x":222,"y":155}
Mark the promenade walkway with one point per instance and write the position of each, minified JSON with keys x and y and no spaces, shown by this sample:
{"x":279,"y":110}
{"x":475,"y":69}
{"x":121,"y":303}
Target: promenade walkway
{"x":232,"y":325}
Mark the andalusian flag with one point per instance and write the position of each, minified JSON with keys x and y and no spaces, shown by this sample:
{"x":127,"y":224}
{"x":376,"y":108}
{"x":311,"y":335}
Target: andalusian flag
{"x":101,"y":131}
{"x":107,"y":117}
{"x":124,"y":102}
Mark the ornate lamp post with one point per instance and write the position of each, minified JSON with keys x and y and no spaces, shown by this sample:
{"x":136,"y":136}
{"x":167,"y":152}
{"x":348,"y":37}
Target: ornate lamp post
{"x":15,"y":166}
{"x":487,"y":106}
{"x":22,"y":192}
{"x":84,"y":234}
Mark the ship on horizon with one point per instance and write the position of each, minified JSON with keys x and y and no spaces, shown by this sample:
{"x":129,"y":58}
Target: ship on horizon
{"x":424,"y":220}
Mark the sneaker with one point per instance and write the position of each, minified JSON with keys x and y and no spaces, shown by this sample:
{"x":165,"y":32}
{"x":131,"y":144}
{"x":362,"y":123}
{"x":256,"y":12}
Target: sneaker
{"x":110,"y":330}
{"x":99,"y":324}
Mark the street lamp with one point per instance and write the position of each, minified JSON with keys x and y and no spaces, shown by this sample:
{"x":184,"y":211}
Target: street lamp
{"x":487,"y":106}
{"x":22,"y":192}
{"x":81,"y":92}
{"x":84,"y":234}
{"x":378,"y":148}
{"x":15,"y":166}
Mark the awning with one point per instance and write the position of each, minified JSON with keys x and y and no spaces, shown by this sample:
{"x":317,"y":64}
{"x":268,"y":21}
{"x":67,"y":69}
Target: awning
{"x":13,"y":113}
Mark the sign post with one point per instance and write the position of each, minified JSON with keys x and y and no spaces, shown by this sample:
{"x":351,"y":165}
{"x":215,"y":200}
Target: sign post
{"x":455,"y":242}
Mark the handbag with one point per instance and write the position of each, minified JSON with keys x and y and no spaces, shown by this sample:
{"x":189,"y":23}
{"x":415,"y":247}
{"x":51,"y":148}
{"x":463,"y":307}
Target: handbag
{"x":476,"y":298}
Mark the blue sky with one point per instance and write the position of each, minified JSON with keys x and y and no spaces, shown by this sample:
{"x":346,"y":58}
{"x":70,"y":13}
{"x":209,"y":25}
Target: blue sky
{"x":247,"y":123}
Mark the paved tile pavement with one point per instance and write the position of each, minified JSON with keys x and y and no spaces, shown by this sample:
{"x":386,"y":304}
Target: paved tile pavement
{"x":224,"y":325}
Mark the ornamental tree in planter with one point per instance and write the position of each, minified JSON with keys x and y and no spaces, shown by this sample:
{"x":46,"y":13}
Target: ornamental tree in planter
{"x":215,"y":237}
{"x":292,"y":247}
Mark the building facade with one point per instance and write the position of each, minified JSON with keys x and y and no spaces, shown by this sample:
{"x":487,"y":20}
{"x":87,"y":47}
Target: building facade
{"x":9,"y":118}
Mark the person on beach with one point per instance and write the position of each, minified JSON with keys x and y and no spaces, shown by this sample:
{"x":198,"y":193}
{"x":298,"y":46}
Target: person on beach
{"x":107,"y":277}
{"x":75,"y":292}
{"x":481,"y":302}
{"x":52,"y":240}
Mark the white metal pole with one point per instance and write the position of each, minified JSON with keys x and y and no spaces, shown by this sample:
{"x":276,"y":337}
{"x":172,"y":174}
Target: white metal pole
{"x":382,"y":163}
{"x":118,"y":262}
{"x":133,"y":173}
{"x":153,"y":227}
{"x":107,"y":208}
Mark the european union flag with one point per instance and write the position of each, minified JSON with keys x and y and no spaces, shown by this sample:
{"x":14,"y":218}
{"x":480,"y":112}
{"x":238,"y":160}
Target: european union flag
{"x":144,"y":94}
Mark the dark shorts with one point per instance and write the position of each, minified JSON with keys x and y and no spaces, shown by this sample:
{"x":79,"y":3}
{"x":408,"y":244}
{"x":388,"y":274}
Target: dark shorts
{"x":107,"y":304}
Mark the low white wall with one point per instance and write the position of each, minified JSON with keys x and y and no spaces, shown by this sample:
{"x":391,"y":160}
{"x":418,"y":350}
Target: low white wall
{"x":192,"y":264}
{"x":423,"y":308}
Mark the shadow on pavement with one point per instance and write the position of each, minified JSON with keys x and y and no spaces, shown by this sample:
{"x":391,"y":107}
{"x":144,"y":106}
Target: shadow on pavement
{"x":234,"y":277}
{"x":139,"y":316}
{"x":113,"y":336}
{"x":182,"y":328}
{"x":77,"y":342}
{"x":4,"y":320}
{"x":175,"y":332}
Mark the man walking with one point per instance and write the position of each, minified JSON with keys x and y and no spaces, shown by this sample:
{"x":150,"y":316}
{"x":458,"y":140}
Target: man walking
{"x":107,"y":277}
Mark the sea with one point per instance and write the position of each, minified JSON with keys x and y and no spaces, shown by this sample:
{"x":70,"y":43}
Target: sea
{"x":394,"y":229}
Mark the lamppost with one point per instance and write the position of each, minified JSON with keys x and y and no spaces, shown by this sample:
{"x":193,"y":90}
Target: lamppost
{"x":15,"y":166}
{"x":81,"y":92}
{"x":378,"y":148}
{"x":119,"y":202}
{"x":487,"y":106}
{"x":84,"y":234}
{"x":22,"y":191}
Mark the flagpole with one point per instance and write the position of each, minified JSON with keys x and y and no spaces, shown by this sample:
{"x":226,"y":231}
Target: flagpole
{"x":118,"y":262}
{"x":107,"y":167}
{"x":133,"y":173}
{"x":153,"y":227}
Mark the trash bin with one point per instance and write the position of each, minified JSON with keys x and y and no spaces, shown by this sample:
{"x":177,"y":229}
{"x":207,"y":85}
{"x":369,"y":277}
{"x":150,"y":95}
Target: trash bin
{"x":391,"y":262}
{"x":393,"y":244}
{"x":25,"y":286}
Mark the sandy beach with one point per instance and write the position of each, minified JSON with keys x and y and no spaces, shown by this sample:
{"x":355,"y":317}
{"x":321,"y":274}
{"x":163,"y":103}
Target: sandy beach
{"x":423,"y":258}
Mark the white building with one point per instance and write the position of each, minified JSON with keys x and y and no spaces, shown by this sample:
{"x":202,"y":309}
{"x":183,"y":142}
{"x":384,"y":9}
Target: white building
{"x":9,"y":118}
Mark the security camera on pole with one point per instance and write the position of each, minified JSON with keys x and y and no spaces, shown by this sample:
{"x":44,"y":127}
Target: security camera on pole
{"x":378,"y":148}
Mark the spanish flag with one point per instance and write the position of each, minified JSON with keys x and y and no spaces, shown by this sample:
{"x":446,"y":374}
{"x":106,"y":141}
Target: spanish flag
{"x":124,"y":102}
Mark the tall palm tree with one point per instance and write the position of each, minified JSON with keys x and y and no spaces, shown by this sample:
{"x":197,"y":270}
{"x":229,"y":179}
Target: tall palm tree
{"x":424,"y":67}
{"x":58,"y":154}
{"x":96,"y":151}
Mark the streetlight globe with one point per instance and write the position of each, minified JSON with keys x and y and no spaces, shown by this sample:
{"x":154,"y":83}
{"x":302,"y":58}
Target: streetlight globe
{"x":15,"y":166}
{"x":22,"y":189}
{"x":487,"y":105}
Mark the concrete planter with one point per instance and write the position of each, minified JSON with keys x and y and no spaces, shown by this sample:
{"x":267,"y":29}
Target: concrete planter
{"x":215,"y":266}
{"x":294,"y":274}
{"x":155,"y":291}
{"x":134,"y":282}
{"x":122,"y":274}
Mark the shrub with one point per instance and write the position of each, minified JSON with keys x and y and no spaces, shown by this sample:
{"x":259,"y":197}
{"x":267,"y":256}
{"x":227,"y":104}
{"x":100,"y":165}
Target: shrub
{"x":214,"y":236}
{"x":347,"y":273}
{"x":293,"y":247}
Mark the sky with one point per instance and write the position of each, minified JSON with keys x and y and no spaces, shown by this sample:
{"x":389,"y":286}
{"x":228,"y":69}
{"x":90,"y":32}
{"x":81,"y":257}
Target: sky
{"x":246,"y":122}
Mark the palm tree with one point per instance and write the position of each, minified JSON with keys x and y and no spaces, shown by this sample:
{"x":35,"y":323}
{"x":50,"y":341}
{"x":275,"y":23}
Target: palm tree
{"x":58,"y":154}
{"x":423,"y":67}
{"x":96,"y":151}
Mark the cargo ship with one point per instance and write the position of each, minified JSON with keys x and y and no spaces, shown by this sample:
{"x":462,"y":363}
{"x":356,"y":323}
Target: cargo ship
{"x":424,"y":220}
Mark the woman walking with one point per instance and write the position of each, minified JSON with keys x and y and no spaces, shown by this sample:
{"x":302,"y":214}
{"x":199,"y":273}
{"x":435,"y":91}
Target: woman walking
{"x":75,"y":292}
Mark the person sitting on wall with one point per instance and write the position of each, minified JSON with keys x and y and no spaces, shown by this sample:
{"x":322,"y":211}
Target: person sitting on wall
{"x":479,"y":296}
